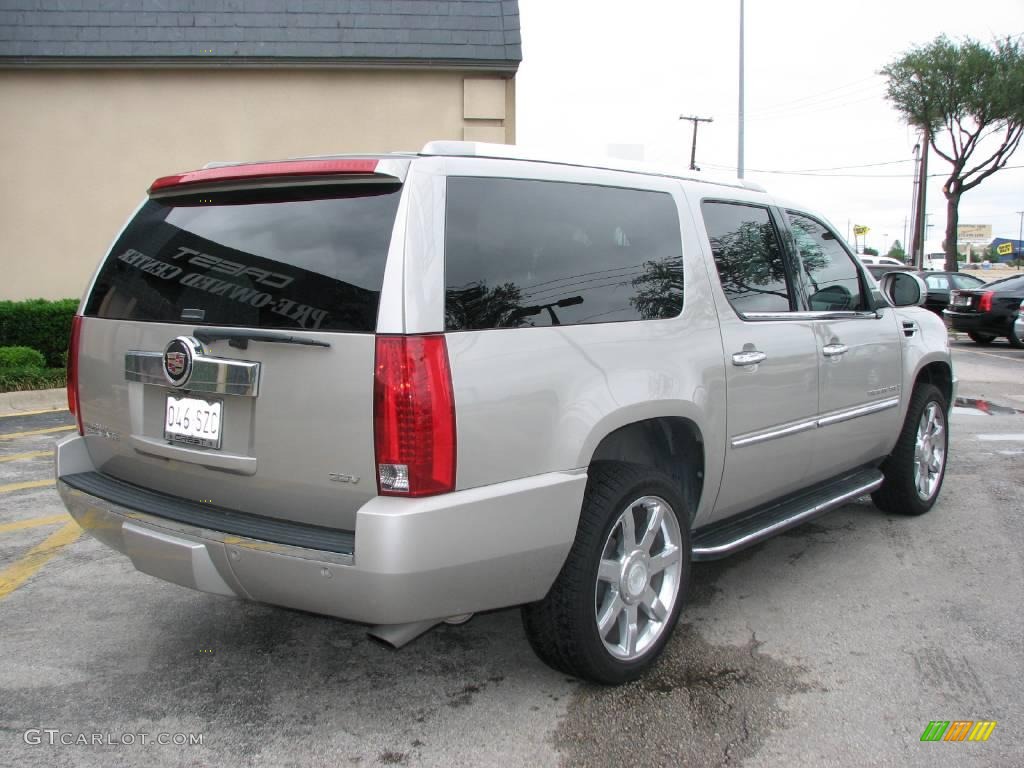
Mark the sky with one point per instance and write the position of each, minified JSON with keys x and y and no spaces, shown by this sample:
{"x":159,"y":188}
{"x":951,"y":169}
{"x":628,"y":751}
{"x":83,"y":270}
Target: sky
{"x":600,"y":73}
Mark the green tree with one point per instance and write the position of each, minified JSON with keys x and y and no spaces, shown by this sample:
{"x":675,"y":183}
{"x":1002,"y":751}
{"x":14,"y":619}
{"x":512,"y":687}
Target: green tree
{"x":968,"y":101}
{"x":896,"y":251}
{"x":870,"y":251}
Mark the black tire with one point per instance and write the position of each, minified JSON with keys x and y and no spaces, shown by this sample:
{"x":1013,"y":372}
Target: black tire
{"x":981,"y":338}
{"x":898,"y":495}
{"x":1015,"y":341}
{"x":562,"y":628}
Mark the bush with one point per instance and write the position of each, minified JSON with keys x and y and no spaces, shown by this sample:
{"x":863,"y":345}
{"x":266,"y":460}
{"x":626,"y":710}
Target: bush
{"x":39,"y":324}
{"x":18,"y":379}
{"x":21,"y":357}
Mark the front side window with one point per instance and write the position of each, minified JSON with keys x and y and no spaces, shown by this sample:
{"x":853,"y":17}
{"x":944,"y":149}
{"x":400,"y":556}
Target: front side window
{"x":937,"y":282}
{"x":833,"y":281}
{"x":524,"y":253}
{"x":748,"y":256}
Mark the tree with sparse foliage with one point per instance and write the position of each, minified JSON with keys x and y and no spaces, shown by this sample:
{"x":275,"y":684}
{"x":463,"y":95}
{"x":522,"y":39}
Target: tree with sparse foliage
{"x":968,"y":101}
{"x":896,"y":251}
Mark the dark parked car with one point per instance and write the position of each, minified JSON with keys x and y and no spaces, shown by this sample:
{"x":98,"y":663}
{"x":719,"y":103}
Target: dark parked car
{"x":941,"y":283}
{"x":987,"y":312}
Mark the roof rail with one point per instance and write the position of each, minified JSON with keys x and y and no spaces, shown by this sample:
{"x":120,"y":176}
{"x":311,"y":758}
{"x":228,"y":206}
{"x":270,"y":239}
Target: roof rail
{"x":512,"y":152}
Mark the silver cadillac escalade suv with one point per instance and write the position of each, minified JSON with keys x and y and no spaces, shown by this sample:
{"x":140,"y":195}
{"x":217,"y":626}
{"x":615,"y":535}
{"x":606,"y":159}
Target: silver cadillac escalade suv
{"x":402,"y":388}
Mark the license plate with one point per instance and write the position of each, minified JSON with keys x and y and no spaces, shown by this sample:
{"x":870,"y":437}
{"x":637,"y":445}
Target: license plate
{"x":194,"y":422}
{"x":962,"y":301}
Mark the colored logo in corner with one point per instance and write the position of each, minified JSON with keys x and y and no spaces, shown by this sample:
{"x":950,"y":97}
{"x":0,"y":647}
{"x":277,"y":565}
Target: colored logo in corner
{"x":958,"y":730}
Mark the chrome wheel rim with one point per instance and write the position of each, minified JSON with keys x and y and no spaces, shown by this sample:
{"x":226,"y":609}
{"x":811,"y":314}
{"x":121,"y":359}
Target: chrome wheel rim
{"x":638,"y":578}
{"x":930,"y":451}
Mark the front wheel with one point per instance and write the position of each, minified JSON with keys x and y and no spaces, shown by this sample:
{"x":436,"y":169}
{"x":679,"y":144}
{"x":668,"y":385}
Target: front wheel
{"x":1015,"y":341}
{"x":915,"y":469}
{"x":615,"y":603}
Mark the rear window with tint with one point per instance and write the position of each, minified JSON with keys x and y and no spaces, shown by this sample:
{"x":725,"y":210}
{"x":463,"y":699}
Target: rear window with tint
{"x":260,"y":259}
{"x":522,"y":253}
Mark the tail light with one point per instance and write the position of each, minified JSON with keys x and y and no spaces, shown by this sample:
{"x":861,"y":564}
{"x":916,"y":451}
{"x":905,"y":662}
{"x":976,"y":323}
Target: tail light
{"x":985,"y":304}
{"x":73,"y":402}
{"x":413,"y":416}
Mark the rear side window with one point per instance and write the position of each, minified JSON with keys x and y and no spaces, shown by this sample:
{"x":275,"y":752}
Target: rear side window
{"x":748,"y":256}
{"x":522,"y":253}
{"x":259,"y":259}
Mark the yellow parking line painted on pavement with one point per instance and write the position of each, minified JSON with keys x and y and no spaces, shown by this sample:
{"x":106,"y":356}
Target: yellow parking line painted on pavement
{"x":33,"y":522}
{"x":29,"y":455}
{"x":20,"y":571}
{"x":12,"y":487}
{"x":31,"y":432}
{"x":33,"y":413}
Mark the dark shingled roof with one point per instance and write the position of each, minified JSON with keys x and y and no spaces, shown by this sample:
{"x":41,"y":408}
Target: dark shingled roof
{"x":472,"y":33}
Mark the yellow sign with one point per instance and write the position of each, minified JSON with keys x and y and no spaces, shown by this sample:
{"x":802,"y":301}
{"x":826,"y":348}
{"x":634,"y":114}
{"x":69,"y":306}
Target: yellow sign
{"x":1005,"y":249}
{"x":860,"y":229}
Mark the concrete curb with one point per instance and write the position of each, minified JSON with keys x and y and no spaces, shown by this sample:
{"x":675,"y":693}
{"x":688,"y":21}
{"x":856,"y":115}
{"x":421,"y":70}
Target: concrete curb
{"x":31,"y":401}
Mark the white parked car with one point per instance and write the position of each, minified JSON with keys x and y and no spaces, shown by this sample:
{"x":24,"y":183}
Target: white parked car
{"x":880,"y":260}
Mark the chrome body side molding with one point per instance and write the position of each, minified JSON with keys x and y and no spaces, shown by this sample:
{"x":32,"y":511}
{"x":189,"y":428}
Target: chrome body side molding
{"x":824,"y":421}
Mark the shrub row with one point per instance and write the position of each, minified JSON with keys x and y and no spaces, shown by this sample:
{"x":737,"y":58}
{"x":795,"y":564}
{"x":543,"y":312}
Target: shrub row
{"x":40,"y":324}
{"x":18,"y":379}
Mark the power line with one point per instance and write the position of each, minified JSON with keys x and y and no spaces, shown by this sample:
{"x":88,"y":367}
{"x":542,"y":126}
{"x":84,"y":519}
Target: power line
{"x":830,"y":102}
{"x":815,"y":96}
{"x":844,"y":175}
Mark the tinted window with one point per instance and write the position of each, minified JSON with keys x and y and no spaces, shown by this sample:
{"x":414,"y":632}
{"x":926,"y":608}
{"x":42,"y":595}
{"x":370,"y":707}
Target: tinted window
{"x":748,"y":257}
{"x":266,"y":259}
{"x":522,"y":253}
{"x":966,"y":281}
{"x":833,"y":282}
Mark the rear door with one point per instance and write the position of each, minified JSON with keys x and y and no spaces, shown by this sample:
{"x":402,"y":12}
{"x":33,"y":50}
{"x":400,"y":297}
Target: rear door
{"x":179,"y":394}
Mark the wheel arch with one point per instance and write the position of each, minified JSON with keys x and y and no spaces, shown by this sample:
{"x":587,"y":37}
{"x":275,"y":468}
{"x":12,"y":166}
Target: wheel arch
{"x":673,"y":445}
{"x":938,"y":373}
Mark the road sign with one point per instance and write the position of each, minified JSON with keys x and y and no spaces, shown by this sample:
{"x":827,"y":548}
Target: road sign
{"x":860,"y":229}
{"x":1005,"y":249}
{"x":974,"y":233}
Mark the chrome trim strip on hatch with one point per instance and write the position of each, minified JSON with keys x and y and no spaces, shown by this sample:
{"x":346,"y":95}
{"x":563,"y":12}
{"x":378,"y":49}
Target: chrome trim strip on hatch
{"x":216,"y":375}
{"x":823,"y":421}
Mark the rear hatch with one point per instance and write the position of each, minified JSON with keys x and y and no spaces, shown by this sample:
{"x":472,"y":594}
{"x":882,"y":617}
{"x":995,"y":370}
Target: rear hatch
{"x":227,"y":346}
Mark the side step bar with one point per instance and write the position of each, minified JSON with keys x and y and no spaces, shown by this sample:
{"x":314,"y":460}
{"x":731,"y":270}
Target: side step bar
{"x":722,"y":539}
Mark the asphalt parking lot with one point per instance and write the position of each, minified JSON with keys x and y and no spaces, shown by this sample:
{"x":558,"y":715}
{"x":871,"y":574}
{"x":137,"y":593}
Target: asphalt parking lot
{"x":835,"y":644}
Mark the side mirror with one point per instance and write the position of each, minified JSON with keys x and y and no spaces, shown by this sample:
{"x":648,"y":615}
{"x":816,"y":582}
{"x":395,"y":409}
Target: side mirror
{"x":904,"y":289}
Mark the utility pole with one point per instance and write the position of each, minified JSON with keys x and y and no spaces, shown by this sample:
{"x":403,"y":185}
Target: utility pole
{"x":922,"y":205}
{"x":739,"y":154}
{"x":693,"y":148}
{"x":911,"y":245}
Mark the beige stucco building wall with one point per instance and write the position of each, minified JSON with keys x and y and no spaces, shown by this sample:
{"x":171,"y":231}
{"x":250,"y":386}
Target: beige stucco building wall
{"x":79,"y":148}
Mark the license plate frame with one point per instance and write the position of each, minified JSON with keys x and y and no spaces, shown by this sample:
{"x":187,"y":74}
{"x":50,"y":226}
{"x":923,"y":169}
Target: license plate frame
{"x":195,"y":411}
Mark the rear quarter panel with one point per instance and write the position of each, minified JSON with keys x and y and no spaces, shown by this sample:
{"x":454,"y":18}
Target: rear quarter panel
{"x":536,"y":400}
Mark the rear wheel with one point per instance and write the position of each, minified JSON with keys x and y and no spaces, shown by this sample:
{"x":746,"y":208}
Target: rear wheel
{"x":981,"y":338}
{"x":915,"y":469}
{"x":615,"y":603}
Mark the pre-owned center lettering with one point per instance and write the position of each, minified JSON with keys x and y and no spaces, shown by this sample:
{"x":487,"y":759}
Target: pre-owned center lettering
{"x":227,"y":267}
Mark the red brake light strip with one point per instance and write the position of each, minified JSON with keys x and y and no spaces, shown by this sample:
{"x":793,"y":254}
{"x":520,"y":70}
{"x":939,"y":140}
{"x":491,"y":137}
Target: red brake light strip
{"x":264,"y":170}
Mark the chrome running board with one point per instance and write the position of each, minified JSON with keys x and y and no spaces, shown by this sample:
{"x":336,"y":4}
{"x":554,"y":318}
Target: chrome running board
{"x":722,"y":539}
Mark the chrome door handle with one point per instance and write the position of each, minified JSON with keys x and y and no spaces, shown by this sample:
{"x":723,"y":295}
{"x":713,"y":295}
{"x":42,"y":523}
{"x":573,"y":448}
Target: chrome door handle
{"x":752,"y":357}
{"x":833,"y":350}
